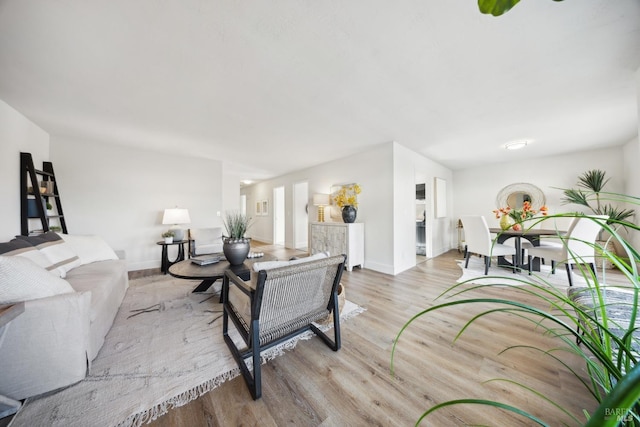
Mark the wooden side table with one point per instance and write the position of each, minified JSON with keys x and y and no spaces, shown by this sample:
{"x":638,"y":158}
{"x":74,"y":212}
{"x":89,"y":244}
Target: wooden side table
{"x":165,"y":264}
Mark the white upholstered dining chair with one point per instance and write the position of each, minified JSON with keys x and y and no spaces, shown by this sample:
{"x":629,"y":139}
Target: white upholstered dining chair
{"x":577,"y":247}
{"x":478,"y":241}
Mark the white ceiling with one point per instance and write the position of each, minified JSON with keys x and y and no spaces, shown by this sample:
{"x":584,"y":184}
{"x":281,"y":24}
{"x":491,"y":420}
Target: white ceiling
{"x":281,"y":85}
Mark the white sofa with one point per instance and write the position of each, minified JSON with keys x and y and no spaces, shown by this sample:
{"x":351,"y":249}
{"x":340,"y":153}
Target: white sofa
{"x":72,"y":288}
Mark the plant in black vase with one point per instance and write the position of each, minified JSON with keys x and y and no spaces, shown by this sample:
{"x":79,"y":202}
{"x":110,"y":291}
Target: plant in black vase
{"x":235,"y":245}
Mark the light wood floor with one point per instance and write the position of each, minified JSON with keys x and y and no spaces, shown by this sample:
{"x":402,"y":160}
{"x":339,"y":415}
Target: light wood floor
{"x":314,"y":386}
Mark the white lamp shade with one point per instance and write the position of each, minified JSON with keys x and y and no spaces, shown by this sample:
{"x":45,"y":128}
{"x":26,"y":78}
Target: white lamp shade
{"x":320,"y":199}
{"x":176,"y":216}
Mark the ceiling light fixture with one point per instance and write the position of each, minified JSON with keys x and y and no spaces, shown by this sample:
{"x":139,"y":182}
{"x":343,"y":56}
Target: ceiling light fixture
{"x":516,"y":145}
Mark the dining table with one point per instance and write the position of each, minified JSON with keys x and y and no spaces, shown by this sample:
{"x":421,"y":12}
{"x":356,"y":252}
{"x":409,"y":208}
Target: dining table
{"x":532,"y":235}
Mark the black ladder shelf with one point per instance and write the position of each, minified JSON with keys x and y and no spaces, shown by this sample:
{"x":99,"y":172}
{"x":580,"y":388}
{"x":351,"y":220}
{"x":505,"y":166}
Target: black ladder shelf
{"x":30,"y":194}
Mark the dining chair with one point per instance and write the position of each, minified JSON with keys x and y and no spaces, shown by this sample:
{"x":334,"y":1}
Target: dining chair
{"x":478,"y":241}
{"x":577,"y":246}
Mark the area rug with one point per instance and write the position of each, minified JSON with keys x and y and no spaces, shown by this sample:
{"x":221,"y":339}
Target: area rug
{"x":501,"y":276}
{"x":164,"y":350}
{"x":504,"y":276}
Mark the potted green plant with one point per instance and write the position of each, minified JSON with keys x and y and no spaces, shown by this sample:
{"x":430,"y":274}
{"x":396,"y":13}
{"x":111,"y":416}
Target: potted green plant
{"x":168,"y":236}
{"x":235,"y":245}
{"x":590,"y":194}
{"x":595,"y":198}
{"x":607,"y":348}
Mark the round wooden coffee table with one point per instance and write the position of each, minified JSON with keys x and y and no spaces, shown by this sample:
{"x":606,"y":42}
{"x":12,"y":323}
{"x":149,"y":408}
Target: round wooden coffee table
{"x":210,"y":273}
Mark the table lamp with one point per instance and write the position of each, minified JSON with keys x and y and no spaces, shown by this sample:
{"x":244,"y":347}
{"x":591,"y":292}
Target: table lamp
{"x":320,"y":200}
{"x":176,"y":216}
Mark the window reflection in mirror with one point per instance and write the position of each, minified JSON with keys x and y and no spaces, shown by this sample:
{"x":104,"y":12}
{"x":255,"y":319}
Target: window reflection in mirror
{"x":516,"y":199}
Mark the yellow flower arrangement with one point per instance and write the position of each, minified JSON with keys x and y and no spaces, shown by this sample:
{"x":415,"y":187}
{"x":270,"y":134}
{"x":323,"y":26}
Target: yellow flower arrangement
{"x":347,"y":196}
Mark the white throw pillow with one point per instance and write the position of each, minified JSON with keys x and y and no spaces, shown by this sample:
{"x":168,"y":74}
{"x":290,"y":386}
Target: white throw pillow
{"x":89,"y":248}
{"x":21,"y":280}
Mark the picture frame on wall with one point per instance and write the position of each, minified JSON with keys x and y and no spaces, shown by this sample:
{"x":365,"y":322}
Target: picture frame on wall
{"x":262,"y":208}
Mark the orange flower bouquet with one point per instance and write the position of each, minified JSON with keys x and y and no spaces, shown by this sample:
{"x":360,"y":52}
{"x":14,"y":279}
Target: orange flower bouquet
{"x":517,"y":215}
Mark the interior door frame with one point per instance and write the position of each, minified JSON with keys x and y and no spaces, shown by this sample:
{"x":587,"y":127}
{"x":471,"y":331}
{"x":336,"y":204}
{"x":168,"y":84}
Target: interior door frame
{"x":279,"y":217}
{"x":301,"y":215}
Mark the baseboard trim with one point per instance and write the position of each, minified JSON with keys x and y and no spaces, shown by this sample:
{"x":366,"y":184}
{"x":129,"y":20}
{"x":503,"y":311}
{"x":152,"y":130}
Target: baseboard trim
{"x":137,"y":274}
{"x":379,"y":267}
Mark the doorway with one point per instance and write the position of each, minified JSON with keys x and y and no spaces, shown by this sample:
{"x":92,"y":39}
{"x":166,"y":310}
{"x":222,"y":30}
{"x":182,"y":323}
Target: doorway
{"x":421,"y":223}
{"x":243,"y":204}
{"x":278,"y":216}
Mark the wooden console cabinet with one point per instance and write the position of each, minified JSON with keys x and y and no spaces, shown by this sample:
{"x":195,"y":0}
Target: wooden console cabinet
{"x":339,"y":238}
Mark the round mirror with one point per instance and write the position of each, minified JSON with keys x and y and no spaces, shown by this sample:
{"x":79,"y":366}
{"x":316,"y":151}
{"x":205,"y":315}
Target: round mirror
{"x":514,"y":195}
{"x":516,"y":199}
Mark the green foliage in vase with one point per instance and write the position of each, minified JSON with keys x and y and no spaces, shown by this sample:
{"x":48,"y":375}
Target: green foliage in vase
{"x":236,"y":224}
{"x":608,"y":351}
{"x":591,"y":195}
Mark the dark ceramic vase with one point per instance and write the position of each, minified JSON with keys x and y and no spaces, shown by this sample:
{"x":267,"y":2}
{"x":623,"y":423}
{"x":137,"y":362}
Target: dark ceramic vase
{"x":236,"y":250}
{"x":349,"y":214}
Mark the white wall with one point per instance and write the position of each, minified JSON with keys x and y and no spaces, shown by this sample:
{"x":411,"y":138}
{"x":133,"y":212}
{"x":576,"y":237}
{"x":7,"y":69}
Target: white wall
{"x":17,"y":134}
{"x":120,"y":193}
{"x":230,"y":189}
{"x":475,"y":189}
{"x":632,"y":172}
{"x":300,"y":215}
{"x":372,"y":169}
{"x":387,"y":175}
{"x":404,"y":196}
{"x":410,"y":169}
{"x":632,"y":180}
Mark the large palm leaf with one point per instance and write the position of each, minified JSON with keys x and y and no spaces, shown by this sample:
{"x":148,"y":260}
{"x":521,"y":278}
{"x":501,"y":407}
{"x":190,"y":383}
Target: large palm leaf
{"x":609,"y":357}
